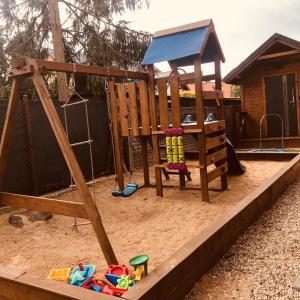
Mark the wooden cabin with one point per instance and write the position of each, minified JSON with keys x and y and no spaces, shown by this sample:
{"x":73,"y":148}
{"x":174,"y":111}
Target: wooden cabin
{"x":269,"y":82}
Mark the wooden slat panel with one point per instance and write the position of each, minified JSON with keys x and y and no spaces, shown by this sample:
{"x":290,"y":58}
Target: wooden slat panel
{"x":217,"y":172}
{"x":214,"y":126}
{"x":214,"y":157}
{"x":212,"y":95}
{"x":174,"y":86}
{"x":142,"y":86}
{"x":163,"y":103}
{"x":215,"y":141}
{"x":122,"y":108}
{"x":133,"y":110}
{"x":54,"y":206}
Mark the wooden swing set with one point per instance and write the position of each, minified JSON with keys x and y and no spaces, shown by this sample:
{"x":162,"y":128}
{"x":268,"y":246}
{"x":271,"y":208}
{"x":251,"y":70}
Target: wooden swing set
{"x":135,"y":111}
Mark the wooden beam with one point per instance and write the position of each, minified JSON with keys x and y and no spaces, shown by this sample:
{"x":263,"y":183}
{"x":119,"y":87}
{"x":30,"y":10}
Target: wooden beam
{"x":200,"y":122}
{"x":278,"y":54}
{"x":59,"y":207}
{"x":27,"y":288}
{"x":67,"y":151}
{"x":174,"y":278}
{"x":216,"y":156}
{"x":11,"y":112}
{"x":214,"y":126}
{"x":215,"y":141}
{"x":49,"y":66}
{"x":188,"y":78}
{"x":155,"y":141}
{"x":217,"y":172}
{"x":220,"y":107}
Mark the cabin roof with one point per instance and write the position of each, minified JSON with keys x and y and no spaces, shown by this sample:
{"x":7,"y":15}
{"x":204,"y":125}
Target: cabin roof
{"x":277,"y":45}
{"x":181,"y":43}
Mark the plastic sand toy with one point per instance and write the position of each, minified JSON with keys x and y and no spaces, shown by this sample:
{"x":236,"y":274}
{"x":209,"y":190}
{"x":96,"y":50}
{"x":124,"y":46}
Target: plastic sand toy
{"x":60,"y":274}
{"x":125,"y":282}
{"x":141,"y":260}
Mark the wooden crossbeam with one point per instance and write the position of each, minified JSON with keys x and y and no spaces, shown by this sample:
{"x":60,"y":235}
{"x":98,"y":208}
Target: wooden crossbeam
{"x":54,"y":206}
{"x":188,"y":78}
{"x":216,"y":156}
{"x":215,"y":141}
{"x":217,"y":172}
{"x":19,"y":66}
{"x":278,"y":54}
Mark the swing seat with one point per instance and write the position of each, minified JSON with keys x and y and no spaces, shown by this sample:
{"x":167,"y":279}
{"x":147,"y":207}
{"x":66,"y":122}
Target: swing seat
{"x":130,"y":189}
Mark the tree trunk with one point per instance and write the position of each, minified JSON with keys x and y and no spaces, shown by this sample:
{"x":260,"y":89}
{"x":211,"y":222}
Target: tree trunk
{"x":59,"y":49}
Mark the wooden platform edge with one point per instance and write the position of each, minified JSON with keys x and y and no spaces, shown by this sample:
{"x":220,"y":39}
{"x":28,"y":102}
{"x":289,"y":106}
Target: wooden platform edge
{"x":27,"y":288}
{"x":174,"y":278}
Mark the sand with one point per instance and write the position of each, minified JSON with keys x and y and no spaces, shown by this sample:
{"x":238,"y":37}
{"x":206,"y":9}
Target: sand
{"x":143,"y":223}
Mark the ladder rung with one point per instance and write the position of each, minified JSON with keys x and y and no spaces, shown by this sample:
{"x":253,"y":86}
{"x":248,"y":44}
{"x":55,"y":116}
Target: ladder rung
{"x":80,"y":224}
{"x":81,"y":143}
{"x":88,"y":183}
{"x":75,"y":103}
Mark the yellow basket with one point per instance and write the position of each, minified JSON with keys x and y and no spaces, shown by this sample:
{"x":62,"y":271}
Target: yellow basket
{"x":60,"y":274}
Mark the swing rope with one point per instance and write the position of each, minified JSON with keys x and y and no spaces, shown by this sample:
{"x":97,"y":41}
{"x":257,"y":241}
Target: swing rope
{"x":111,"y":132}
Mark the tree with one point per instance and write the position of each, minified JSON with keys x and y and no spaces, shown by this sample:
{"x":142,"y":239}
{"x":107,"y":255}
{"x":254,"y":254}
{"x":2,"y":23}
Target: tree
{"x":89,"y":34}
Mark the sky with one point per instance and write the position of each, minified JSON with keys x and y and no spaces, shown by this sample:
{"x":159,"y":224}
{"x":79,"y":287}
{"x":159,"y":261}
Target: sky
{"x":242,"y":26}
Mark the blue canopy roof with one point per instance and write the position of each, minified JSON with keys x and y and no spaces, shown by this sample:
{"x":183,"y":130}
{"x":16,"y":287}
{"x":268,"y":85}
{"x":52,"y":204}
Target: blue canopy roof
{"x":175,"y":46}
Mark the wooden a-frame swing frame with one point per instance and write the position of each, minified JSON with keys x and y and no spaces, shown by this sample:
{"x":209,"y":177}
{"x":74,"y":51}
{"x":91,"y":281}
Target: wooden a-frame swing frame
{"x":25,"y":67}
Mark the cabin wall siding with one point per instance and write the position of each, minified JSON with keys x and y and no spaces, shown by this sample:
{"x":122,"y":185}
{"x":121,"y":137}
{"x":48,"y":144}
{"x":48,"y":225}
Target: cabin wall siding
{"x":253,"y":98}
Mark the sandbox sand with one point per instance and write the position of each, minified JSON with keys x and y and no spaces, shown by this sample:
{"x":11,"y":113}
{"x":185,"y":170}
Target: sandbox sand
{"x":143,"y":223}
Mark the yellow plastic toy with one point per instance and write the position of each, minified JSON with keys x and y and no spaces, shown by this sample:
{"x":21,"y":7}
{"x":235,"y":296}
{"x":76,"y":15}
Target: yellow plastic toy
{"x":60,"y":274}
{"x":138,"y":273}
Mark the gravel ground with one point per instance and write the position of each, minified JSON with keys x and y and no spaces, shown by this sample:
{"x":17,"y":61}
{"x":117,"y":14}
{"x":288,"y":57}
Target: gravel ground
{"x":265,"y":260}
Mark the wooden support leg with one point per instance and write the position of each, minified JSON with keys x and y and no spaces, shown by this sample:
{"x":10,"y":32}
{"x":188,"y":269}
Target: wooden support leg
{"x":156,"y":156}
{"x":73,"y":165}
{"x":181,"y":179}
{"x":145,"y":160}
{"x":9,"y":122}
{"x":200,"y":122}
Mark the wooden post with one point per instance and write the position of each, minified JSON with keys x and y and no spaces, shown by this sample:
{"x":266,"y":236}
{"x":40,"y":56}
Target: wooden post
{"x":33,"y":167}
{"x":9,"y":122}
{"x":116,"y":135}
{"x":59,"y":48}
{"x":220,"y":108}
{"x":155,"y":142}
{"x":200,"y":123}
{"x":67,"y":151}
{"x":145,"y":160}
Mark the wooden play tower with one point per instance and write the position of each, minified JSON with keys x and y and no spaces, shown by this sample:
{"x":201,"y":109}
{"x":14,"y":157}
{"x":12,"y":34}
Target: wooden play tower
{"x":141,"y":109}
